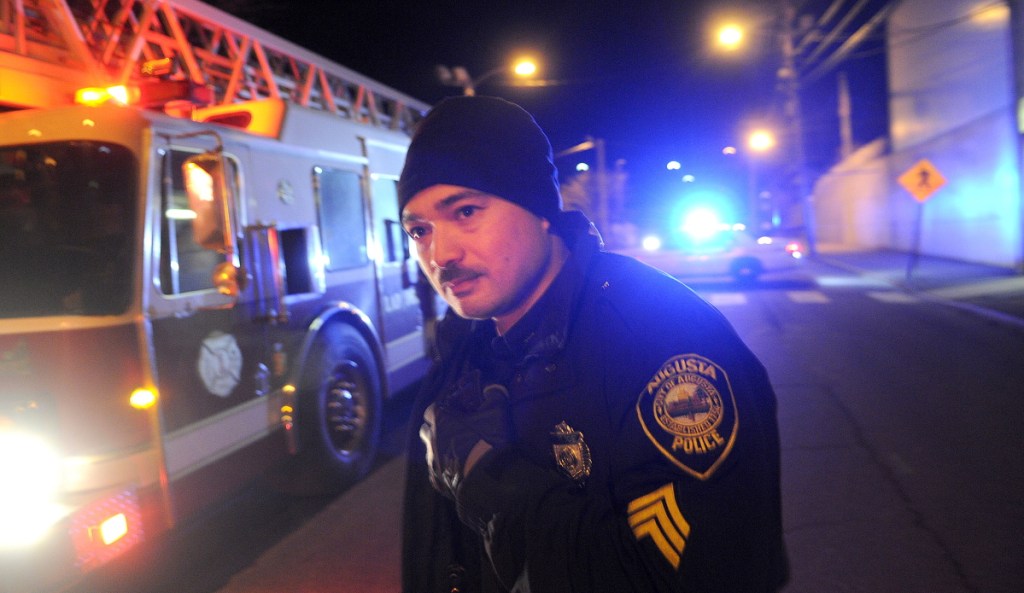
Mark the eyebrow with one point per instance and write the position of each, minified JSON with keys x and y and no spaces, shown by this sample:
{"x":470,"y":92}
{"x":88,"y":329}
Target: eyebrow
{"x":447,"y":203}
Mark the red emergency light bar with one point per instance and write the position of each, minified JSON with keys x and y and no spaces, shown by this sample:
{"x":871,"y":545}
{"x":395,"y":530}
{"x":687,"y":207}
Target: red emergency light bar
{"x":149,"y":94}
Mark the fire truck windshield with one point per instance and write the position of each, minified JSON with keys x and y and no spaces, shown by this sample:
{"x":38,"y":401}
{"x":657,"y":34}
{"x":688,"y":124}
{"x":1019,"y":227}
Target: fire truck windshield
{"x":67,"y":225}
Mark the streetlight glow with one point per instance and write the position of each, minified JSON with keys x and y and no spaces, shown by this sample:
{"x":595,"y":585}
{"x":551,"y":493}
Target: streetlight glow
{"x":525,"y":67}
{"x":730,"y":36}
{"x":761,"y":140}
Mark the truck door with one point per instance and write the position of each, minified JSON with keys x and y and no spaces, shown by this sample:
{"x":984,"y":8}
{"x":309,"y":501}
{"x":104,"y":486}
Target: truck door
{"x":209,"y":354}
{"x":402,"y":316}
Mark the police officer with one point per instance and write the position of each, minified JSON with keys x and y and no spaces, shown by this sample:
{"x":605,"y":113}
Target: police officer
{"x":589,"y":423}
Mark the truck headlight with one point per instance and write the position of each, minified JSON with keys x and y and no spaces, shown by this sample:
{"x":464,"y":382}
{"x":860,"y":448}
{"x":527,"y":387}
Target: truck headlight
{"x":31,"y":471}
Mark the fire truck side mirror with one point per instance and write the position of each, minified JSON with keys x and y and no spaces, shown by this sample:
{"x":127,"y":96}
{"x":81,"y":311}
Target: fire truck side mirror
{"x":209,"y":197}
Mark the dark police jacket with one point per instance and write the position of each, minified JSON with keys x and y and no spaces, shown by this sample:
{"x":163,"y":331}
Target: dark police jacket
{"x":646,"y":452}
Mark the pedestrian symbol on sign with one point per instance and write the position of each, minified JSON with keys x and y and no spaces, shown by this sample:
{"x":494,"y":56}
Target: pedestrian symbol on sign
{"x":922,"y":180}
{"x":923,"y":184}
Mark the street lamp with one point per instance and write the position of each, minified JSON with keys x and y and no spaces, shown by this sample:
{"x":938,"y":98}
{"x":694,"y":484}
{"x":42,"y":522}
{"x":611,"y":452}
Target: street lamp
{"x":525,"y":68}
{"x":730,"y":37}
{"x":759,"y":142}
{"x":459,"y":76}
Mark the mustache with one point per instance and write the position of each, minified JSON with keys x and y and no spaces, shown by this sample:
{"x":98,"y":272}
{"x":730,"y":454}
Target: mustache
{"x":454,"y":273}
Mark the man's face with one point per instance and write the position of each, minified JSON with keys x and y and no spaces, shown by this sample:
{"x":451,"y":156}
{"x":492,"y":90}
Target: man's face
{"x":487,"y":257}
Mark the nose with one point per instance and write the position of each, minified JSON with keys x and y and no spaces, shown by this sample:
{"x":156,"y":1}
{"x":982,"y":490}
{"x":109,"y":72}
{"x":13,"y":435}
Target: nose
{"x":445,"y":249}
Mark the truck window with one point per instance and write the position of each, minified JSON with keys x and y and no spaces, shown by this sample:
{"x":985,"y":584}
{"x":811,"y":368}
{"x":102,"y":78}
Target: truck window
{"x":185,"y":266}
{"x":342,"y":218}
{"x":389,"y":229}
{"x":67,"y":228}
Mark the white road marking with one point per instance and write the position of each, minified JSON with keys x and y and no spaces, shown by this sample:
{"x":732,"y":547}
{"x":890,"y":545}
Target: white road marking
{"x":726,"y":299}
{"x":732,"y":299}
{"x":810,"y":297}
{"x":894,"y":296}
{"x":852,"y":281}
{"x":807,"y":296}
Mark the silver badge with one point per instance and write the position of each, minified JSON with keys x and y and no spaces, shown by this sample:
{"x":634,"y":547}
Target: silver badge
{"x":571,"y":453}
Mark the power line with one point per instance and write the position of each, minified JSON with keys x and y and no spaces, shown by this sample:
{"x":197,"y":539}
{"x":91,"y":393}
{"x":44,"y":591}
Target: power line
{"x":850,"y":44}
{"x":841,"y":26}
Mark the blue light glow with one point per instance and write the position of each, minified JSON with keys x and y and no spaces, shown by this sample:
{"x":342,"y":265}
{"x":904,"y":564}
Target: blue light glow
{"x":702,"y":223}
{"x":651,"y":243}
{"x":701,"y":214}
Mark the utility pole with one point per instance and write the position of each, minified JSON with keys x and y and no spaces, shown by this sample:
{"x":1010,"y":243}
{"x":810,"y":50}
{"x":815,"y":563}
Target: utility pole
{"x":789,"y":80}
{"x":602,"y":187}
{"x":844,"y":112}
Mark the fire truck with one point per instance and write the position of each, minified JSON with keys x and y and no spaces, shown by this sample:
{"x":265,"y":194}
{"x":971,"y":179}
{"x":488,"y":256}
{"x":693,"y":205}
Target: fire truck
{"x":202,"y":273}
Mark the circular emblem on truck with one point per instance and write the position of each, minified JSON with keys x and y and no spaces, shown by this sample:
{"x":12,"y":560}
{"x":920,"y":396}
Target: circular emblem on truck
{"x":220,"y":363}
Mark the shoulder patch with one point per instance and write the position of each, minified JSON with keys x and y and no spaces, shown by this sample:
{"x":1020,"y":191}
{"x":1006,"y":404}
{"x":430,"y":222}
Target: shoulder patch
{"x":688,"y":411}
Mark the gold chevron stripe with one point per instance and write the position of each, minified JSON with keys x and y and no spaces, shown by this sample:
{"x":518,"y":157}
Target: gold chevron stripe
{"x":650,"y":529}
{"x":657,"y":516}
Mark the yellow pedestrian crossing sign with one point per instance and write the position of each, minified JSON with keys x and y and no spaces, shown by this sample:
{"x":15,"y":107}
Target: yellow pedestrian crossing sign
{"x":922,"y":180}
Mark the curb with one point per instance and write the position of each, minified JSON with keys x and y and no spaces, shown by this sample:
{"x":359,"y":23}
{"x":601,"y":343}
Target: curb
{"x":927,"y":295}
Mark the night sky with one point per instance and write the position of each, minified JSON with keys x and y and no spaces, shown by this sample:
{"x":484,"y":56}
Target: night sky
{"x":641,"y":75}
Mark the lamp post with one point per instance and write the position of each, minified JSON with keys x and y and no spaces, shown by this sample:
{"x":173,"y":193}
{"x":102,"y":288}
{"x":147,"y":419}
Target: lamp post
{"x":790,"y":81}
{"x":759,"y":142}
{"x":459,"y":76}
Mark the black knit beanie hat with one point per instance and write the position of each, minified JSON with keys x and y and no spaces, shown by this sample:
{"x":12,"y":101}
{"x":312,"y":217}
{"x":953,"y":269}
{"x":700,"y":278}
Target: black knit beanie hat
{"x":487,"y":144}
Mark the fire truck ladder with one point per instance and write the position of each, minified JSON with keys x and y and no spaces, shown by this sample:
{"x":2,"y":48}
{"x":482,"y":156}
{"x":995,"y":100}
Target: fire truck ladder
{"x":49,"y":48}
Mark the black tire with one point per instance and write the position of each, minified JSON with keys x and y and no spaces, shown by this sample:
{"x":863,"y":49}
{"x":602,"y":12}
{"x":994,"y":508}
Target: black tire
{"x":339,"y":411}
{"x":746,"y":269}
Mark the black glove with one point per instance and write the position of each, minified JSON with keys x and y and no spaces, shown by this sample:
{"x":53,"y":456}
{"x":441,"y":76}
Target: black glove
{"x":457,"y":430}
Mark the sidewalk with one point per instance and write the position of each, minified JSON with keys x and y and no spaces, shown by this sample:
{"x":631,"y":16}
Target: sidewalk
{"x":990,"y":291}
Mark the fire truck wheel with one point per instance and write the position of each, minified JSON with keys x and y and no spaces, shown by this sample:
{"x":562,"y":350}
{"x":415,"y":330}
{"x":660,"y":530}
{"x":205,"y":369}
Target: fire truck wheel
{"x":340,"y":411}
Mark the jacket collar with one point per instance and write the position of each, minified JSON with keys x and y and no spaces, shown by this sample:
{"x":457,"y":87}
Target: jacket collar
{"x":542,"y":331}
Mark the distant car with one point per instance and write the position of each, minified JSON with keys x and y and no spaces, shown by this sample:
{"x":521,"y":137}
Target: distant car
{"x":736,"y":254}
